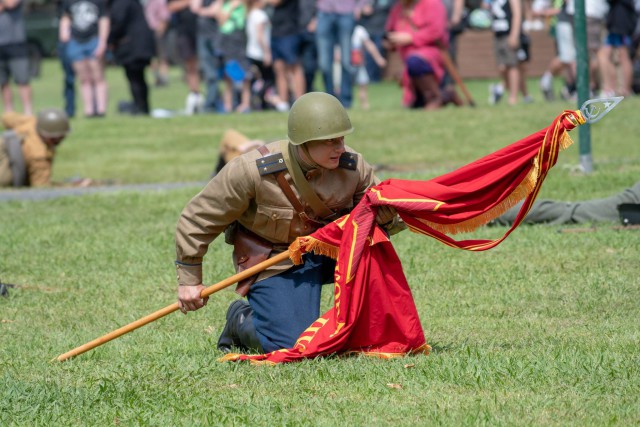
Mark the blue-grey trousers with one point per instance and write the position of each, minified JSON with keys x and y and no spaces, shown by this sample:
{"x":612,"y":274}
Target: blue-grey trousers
{"x":286,"y":304}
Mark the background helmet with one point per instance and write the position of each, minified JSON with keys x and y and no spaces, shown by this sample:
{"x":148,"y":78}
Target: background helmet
{"x":52,"y":123}
{"x":317,"y":115}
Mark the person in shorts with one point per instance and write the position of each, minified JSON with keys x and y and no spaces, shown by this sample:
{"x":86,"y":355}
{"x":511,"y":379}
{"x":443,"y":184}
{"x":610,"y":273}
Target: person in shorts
{"x":84,"y":26}
{"x":286,"y":39}
{"x":186,"y":25}
{"x":14,"y":60}
{"x":511,"y":46}
{"x":621,"y":24}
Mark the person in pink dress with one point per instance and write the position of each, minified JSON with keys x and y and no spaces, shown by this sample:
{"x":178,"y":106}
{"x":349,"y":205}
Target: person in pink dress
{"x":418,"y":30}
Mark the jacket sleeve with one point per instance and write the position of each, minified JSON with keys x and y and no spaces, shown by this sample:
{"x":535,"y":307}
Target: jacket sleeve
{"x":11,"y":120}
{"x":39,"y":171}
{"x":223,"y":200}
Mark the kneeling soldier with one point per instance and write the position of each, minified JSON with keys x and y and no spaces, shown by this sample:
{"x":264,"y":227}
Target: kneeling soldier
{"x":263,"y":200}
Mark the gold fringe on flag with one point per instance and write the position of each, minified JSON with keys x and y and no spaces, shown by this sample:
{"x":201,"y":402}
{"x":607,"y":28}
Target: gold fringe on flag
{"x":303,"y":245}
{"x":519,"y":193}
{"x":423,"y":349}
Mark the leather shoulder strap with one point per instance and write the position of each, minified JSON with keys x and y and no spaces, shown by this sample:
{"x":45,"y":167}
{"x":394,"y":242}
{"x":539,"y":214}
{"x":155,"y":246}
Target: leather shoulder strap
{"x":301,"y":182}
{"x":282,"y":181}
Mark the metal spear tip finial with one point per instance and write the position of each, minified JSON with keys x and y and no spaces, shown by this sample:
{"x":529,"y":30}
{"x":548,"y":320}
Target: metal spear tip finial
{"x":595,"y":109}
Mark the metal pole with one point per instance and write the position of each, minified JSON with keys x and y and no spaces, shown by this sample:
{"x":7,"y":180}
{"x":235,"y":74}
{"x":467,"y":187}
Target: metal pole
{"x":582,"y":75}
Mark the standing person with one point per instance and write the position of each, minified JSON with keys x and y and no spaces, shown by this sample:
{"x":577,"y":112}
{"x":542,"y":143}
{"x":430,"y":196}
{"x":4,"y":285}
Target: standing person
{"x":308,"y":47}
{"x":158,"y":16}
{"x":621,"y":24}
{"x":361,"y":43}
{"x":373,"y":18}
{"x":316,"y":165}
{"x":336,"y":21}
{"x":286,"y":37}
{"x":133,"y":45}
{"x":232,"y":16}
{"x":69,"y":80}
{"x":28,"y":147}
{"x":566,"y":50}
{"x":85,"y":27}
{"x":259,"y":53}
{"x":418,"y":29}
{"x":511,"y":46}
{"x":14,"y":56}
{"x":186,"y":24}
{"x":208,"y":47}
{"x":565,"y":61}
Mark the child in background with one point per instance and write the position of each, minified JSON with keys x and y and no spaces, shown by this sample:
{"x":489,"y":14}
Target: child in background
{"x":360,"y":40}
{"x":259,"y":53}
{"x":233,"y":45}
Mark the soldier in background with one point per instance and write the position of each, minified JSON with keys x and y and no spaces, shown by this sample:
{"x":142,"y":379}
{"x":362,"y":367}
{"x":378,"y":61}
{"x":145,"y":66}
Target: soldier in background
{"x":232,"y":145}
{"x":557,"y":213}
{"x":28,"y":145}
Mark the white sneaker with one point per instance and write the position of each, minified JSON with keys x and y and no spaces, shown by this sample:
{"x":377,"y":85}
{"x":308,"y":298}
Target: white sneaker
{"x":546,"y":86}
{"x":282,"y":106}
{"x":567,"y":95}
{"x":194,"y":103}
{"x":495,"y":93}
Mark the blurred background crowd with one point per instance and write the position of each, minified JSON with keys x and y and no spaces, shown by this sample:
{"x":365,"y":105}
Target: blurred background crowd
{"x":248,"y":55}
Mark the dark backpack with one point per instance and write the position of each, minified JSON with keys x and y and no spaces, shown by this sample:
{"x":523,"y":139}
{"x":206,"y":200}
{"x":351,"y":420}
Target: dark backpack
{"x":13,"y":146}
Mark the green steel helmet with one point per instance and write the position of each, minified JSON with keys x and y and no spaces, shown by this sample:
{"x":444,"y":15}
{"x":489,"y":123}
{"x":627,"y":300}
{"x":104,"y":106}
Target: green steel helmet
{"x":317,"y":115}
{"x":52,"y":123}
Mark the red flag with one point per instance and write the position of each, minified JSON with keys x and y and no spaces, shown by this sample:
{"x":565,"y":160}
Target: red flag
{"x":373,"y":310}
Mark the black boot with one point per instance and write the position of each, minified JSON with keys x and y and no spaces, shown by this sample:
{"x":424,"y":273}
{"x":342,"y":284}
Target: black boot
{"x":239,"y":331}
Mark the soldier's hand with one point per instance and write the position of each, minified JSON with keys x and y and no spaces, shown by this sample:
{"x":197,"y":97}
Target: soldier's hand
{"x":189,"y":298}
{"x":385,"y":215}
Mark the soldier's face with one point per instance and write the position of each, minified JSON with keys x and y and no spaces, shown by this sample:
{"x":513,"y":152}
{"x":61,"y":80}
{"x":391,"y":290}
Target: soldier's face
{"x":326,"y":152}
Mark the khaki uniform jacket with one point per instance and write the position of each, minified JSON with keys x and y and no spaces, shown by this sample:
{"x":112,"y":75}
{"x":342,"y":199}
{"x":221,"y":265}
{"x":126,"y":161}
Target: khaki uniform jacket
{"x":38,"y":157}
{"x":240,"y":193}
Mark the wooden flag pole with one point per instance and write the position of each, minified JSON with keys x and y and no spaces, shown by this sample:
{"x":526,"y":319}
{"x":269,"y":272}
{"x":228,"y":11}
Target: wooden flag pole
{"x":453,"y":72}
{"x":173,"y":307}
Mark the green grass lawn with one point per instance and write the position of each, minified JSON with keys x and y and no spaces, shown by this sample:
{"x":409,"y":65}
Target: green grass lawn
{"x":542,"y":330}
